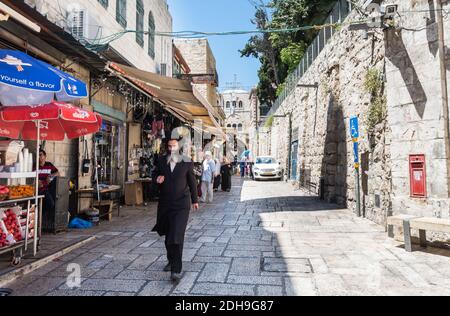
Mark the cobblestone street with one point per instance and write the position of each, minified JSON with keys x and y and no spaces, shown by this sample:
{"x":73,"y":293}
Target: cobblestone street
{"x":263,"y":238}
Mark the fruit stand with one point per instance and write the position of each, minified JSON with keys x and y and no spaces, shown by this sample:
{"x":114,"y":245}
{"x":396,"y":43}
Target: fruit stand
{"x":20,"y":218}
{"x":43,"y":115}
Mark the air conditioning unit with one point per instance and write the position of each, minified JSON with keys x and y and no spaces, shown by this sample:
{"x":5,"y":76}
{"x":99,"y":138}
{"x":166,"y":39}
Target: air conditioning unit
{"x":83,"y":25}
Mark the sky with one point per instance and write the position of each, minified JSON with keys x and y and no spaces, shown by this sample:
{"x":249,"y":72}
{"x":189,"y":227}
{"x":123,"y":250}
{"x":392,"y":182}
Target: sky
{"x":221,"y":16}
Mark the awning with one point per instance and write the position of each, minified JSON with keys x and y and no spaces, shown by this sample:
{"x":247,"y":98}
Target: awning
{"x":178,"y":96}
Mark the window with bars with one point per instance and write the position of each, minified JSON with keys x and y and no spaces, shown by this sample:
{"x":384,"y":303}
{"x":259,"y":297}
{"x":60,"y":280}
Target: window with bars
{"x":104,"y":3}
{"x":121,"y":12}
{"x":140,"y":12}
{"x":151,"y":35}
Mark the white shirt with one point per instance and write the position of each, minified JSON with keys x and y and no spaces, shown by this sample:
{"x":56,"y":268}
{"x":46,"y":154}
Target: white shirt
{"x":173,"y":160}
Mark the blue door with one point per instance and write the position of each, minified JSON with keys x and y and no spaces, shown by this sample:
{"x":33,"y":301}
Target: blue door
{"x":294,"y":155}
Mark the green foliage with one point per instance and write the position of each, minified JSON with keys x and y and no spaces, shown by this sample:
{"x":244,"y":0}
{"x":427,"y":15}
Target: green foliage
{"x":325,"y":86}
{"x":280,"y":89}
{"x":269,"y":122}
{"x":280,"y":53}
{"x":377,"y":112}
{"x":372,"y":81}
{"x":373,"y":84}
{"x":292,"y":55}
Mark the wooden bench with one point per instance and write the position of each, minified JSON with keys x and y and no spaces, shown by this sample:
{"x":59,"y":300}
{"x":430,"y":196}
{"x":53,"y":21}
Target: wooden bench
{"x":422,"y":224}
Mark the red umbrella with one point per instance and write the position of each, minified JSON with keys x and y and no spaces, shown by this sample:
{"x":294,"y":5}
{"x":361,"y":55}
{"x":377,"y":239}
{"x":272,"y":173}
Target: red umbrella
{"x":56,"y":121}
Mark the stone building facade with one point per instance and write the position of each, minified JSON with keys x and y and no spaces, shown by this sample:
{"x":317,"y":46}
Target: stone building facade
{"x":255,"y":121}
{"x":102,"y":20}
{"x":391,"y":80}
{"x":237,"y":107}
{"x":200,"y":59}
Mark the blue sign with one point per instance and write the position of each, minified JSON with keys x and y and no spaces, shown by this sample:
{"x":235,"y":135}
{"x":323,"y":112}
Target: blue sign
{"x":356,"y":152}
{"x":354,"y":127}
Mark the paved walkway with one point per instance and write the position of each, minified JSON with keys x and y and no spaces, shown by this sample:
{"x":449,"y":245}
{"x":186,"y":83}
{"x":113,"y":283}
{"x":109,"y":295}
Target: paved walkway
{"x":263,"y":238}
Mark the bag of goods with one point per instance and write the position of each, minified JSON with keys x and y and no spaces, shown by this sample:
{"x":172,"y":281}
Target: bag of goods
{"x":12,"y":224}
{"x":6,"y":239}
{"x":4,"y":192}
{"x":9,"y":151}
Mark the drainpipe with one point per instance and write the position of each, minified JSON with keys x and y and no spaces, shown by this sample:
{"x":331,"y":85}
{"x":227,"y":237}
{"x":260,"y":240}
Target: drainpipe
{"x":440,"y":23}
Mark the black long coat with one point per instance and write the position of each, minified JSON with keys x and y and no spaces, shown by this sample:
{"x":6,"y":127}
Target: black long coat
{"x":226,"y":171}
{"x":177,"y":193}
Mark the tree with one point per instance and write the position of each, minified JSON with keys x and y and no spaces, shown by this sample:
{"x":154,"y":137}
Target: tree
{"x":279,"y":53}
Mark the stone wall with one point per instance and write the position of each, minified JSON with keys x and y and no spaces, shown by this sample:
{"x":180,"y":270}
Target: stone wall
{"x":415,"y":107}
{"x":201,"y":60}
{"x":407,"y":58}
{"x":321,"y":117}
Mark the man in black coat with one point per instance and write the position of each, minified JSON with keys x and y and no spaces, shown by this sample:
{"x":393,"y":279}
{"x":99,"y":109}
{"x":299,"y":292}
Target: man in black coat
{"x":178,"y":193}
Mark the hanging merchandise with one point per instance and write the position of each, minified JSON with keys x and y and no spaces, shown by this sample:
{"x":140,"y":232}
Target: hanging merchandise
{"x":86,"y":160}
{"x":158,"y":126}
{"x":156,"y":149}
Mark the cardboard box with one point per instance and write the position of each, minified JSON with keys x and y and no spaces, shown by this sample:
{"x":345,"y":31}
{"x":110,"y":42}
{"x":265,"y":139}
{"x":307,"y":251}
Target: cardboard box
{"x":134,"y":194}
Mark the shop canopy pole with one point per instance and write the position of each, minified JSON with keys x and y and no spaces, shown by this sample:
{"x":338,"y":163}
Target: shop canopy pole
{"x":36,"y":193}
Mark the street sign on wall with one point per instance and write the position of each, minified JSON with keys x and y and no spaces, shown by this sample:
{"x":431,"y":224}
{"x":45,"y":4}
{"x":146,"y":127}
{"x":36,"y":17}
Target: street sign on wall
{"x":354,"y":133}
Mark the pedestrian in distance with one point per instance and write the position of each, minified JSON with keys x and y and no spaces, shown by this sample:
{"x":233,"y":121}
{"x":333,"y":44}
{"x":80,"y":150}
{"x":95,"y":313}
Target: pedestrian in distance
{"x":209,"y":169}
{"x":178,"y":194}
{"x":226,"y":172}
{"x":217,"y":175}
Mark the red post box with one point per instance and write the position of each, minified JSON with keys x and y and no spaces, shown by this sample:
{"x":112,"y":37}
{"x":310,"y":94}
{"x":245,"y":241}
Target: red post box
{"x":417,"y":176}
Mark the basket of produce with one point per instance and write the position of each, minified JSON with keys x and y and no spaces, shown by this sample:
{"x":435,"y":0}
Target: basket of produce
{"x":21,"y":191}
{"x":4,"y":193}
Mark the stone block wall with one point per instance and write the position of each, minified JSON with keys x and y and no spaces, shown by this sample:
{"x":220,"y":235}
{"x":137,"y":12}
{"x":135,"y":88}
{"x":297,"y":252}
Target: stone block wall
{"x":408,"y":60}
{"x":321,"y":115}
{"x":201,"y":60}
{"x":415,"y":107}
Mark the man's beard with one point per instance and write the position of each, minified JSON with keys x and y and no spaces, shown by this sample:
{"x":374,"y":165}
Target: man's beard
{"x":174,"y":156}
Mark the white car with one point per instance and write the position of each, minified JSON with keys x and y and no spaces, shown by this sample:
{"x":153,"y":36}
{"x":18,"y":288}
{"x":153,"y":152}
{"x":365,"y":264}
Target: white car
{"x":267,"y":168}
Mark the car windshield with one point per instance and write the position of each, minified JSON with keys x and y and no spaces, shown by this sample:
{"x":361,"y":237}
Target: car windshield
{"x":265,"y":160}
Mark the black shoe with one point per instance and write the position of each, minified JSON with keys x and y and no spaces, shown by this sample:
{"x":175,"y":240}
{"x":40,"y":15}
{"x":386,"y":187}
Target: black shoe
{"x":168,"y":267}
{"x":175,"y":277}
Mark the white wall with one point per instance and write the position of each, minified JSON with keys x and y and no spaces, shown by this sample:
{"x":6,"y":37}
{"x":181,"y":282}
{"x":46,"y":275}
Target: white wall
{"x":56,"y":11}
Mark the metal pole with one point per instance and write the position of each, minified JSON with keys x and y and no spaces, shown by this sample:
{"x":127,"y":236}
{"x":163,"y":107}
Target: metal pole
{"x":27,"y":225}
{"x":36,"y":193}
{"x":358,"y":194}
{"x":440,"y":23}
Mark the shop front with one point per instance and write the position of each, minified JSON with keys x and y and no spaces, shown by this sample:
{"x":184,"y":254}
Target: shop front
{"x":176,"y":110}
